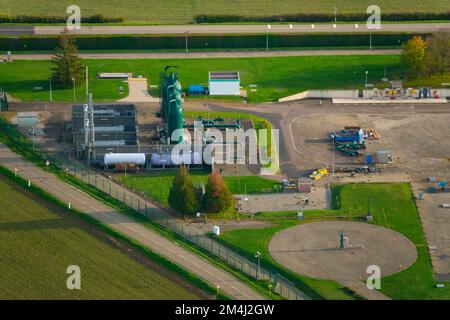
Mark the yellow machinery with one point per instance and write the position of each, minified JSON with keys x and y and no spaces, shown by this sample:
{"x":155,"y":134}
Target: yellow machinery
{"x":319,"y":173}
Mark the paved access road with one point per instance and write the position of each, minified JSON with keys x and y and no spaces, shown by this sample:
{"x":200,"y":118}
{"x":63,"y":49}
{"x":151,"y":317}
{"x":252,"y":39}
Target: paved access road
{"x":246,"y":29}
{"x":210,"y":54}
{"x":122,"y":223}
{"x":229,"y":29}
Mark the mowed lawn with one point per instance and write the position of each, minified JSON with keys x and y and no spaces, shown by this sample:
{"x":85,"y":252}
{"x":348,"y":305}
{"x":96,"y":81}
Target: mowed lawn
{"x":182,"y":11}
{"x":275,"y":77}
{"x":38,"y":241}
{"x":158,"y":186}
{"x":392,"y":206}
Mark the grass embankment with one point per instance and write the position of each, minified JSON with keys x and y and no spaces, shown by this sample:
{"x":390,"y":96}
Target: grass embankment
{"x":157,"y":186}
{"x":392,"y":206}
{"x":275,"y":77}
{"x":178,"y":11}
{"x":40,"y":240}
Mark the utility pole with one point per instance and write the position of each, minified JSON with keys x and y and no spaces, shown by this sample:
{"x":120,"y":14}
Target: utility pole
{"x":333,"y":151}
{"x":87,"y":84}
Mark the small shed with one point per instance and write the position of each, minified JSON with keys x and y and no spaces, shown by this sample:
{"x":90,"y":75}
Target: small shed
{"x":224,"y":83}
{"x":114,"y":75}
{"x":383,"y":157}
{"x":397,"y":84}
{"x":304,"y":186}
{"x":27,"y":120}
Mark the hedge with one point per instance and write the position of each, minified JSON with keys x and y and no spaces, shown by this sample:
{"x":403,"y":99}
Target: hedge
{"x":322,"y":17}
{"x":97,"y":18}
{"x":205,"y":41}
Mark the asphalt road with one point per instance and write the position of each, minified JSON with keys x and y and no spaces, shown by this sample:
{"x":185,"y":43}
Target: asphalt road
{"x":124,"y":224}
{"x":211,"y":54}
{"x":229,"y":29}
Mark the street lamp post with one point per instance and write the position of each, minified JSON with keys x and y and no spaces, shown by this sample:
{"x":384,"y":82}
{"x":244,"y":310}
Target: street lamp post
{"x":267,"y":37}
{"x":186,"y":38}
{"x":258,"y":256}
{"x":73,"y":81}
{"x":50,"y":81}
{"x":367,"y":72}
{"x":335,"y":14}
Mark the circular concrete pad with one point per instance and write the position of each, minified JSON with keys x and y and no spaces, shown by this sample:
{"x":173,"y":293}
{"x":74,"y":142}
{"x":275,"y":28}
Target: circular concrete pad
{"x":312,"y":249}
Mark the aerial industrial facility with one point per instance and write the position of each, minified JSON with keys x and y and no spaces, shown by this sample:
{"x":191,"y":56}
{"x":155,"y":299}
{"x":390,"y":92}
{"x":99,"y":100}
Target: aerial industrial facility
{"x":216,"y":170}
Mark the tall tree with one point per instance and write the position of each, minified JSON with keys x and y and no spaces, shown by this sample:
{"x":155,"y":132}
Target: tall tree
{"x":67,"y":65}
{"x":182,"y":195}
{"x":217,"y":196}
{"x":413,"y":55}
{"x":437,"y":58}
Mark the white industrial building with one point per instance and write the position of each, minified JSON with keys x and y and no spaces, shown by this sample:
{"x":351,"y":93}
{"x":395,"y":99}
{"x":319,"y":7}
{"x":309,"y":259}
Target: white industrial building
{"x":224,"y":83}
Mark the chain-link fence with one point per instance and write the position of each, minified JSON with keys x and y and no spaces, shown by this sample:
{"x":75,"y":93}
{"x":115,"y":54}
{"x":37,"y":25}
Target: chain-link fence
{"x":158,"y":214}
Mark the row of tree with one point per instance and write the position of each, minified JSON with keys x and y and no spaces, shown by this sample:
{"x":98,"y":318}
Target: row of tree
{"x":187,"y":199}
{"x":427,"y":57}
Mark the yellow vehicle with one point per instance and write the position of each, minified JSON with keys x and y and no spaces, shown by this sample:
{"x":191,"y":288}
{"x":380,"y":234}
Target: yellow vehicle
{"x":319,"y":173}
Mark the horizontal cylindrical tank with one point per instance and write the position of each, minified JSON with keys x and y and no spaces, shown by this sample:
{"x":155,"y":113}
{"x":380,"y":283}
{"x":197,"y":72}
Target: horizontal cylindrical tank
{"x":108,"y":143}
{"x":110,"y":129}
{"x":167,"y":159}
{"x":128,"y":158}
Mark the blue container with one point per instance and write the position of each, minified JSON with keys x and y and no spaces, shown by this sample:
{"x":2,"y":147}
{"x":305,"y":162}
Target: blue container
{"x":369,"y":159}
{"x":196,"y":89}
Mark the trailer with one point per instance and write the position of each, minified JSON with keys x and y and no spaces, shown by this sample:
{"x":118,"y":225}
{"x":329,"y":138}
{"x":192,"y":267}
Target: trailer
{"x":348,"y":135}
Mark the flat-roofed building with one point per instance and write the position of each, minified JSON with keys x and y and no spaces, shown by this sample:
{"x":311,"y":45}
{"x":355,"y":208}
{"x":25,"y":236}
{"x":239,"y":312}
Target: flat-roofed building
{"x":224,"y":83}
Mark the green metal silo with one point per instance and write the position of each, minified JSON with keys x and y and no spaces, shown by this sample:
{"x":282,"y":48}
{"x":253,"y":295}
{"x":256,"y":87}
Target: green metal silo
{"x":171,"y":105}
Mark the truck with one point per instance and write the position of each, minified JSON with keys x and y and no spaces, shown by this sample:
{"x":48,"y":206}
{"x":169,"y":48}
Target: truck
{"x":348,"y":135}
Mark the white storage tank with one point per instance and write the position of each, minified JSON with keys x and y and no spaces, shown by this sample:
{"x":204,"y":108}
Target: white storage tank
{"x":167,"y":159}
{"x":120,"y":158}
{"x":108,"y":143}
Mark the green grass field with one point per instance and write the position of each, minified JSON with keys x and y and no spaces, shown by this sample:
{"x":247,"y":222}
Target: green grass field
{"x":392,"y":206}
{"x":275,"y":77}
{"x":178,"y":11}
{"x":158,"y":186}
{"x":39,"y":241}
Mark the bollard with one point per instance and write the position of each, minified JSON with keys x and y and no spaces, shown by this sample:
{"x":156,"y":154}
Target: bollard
{"x":29,"y":183}
{"x":70,"y":205}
